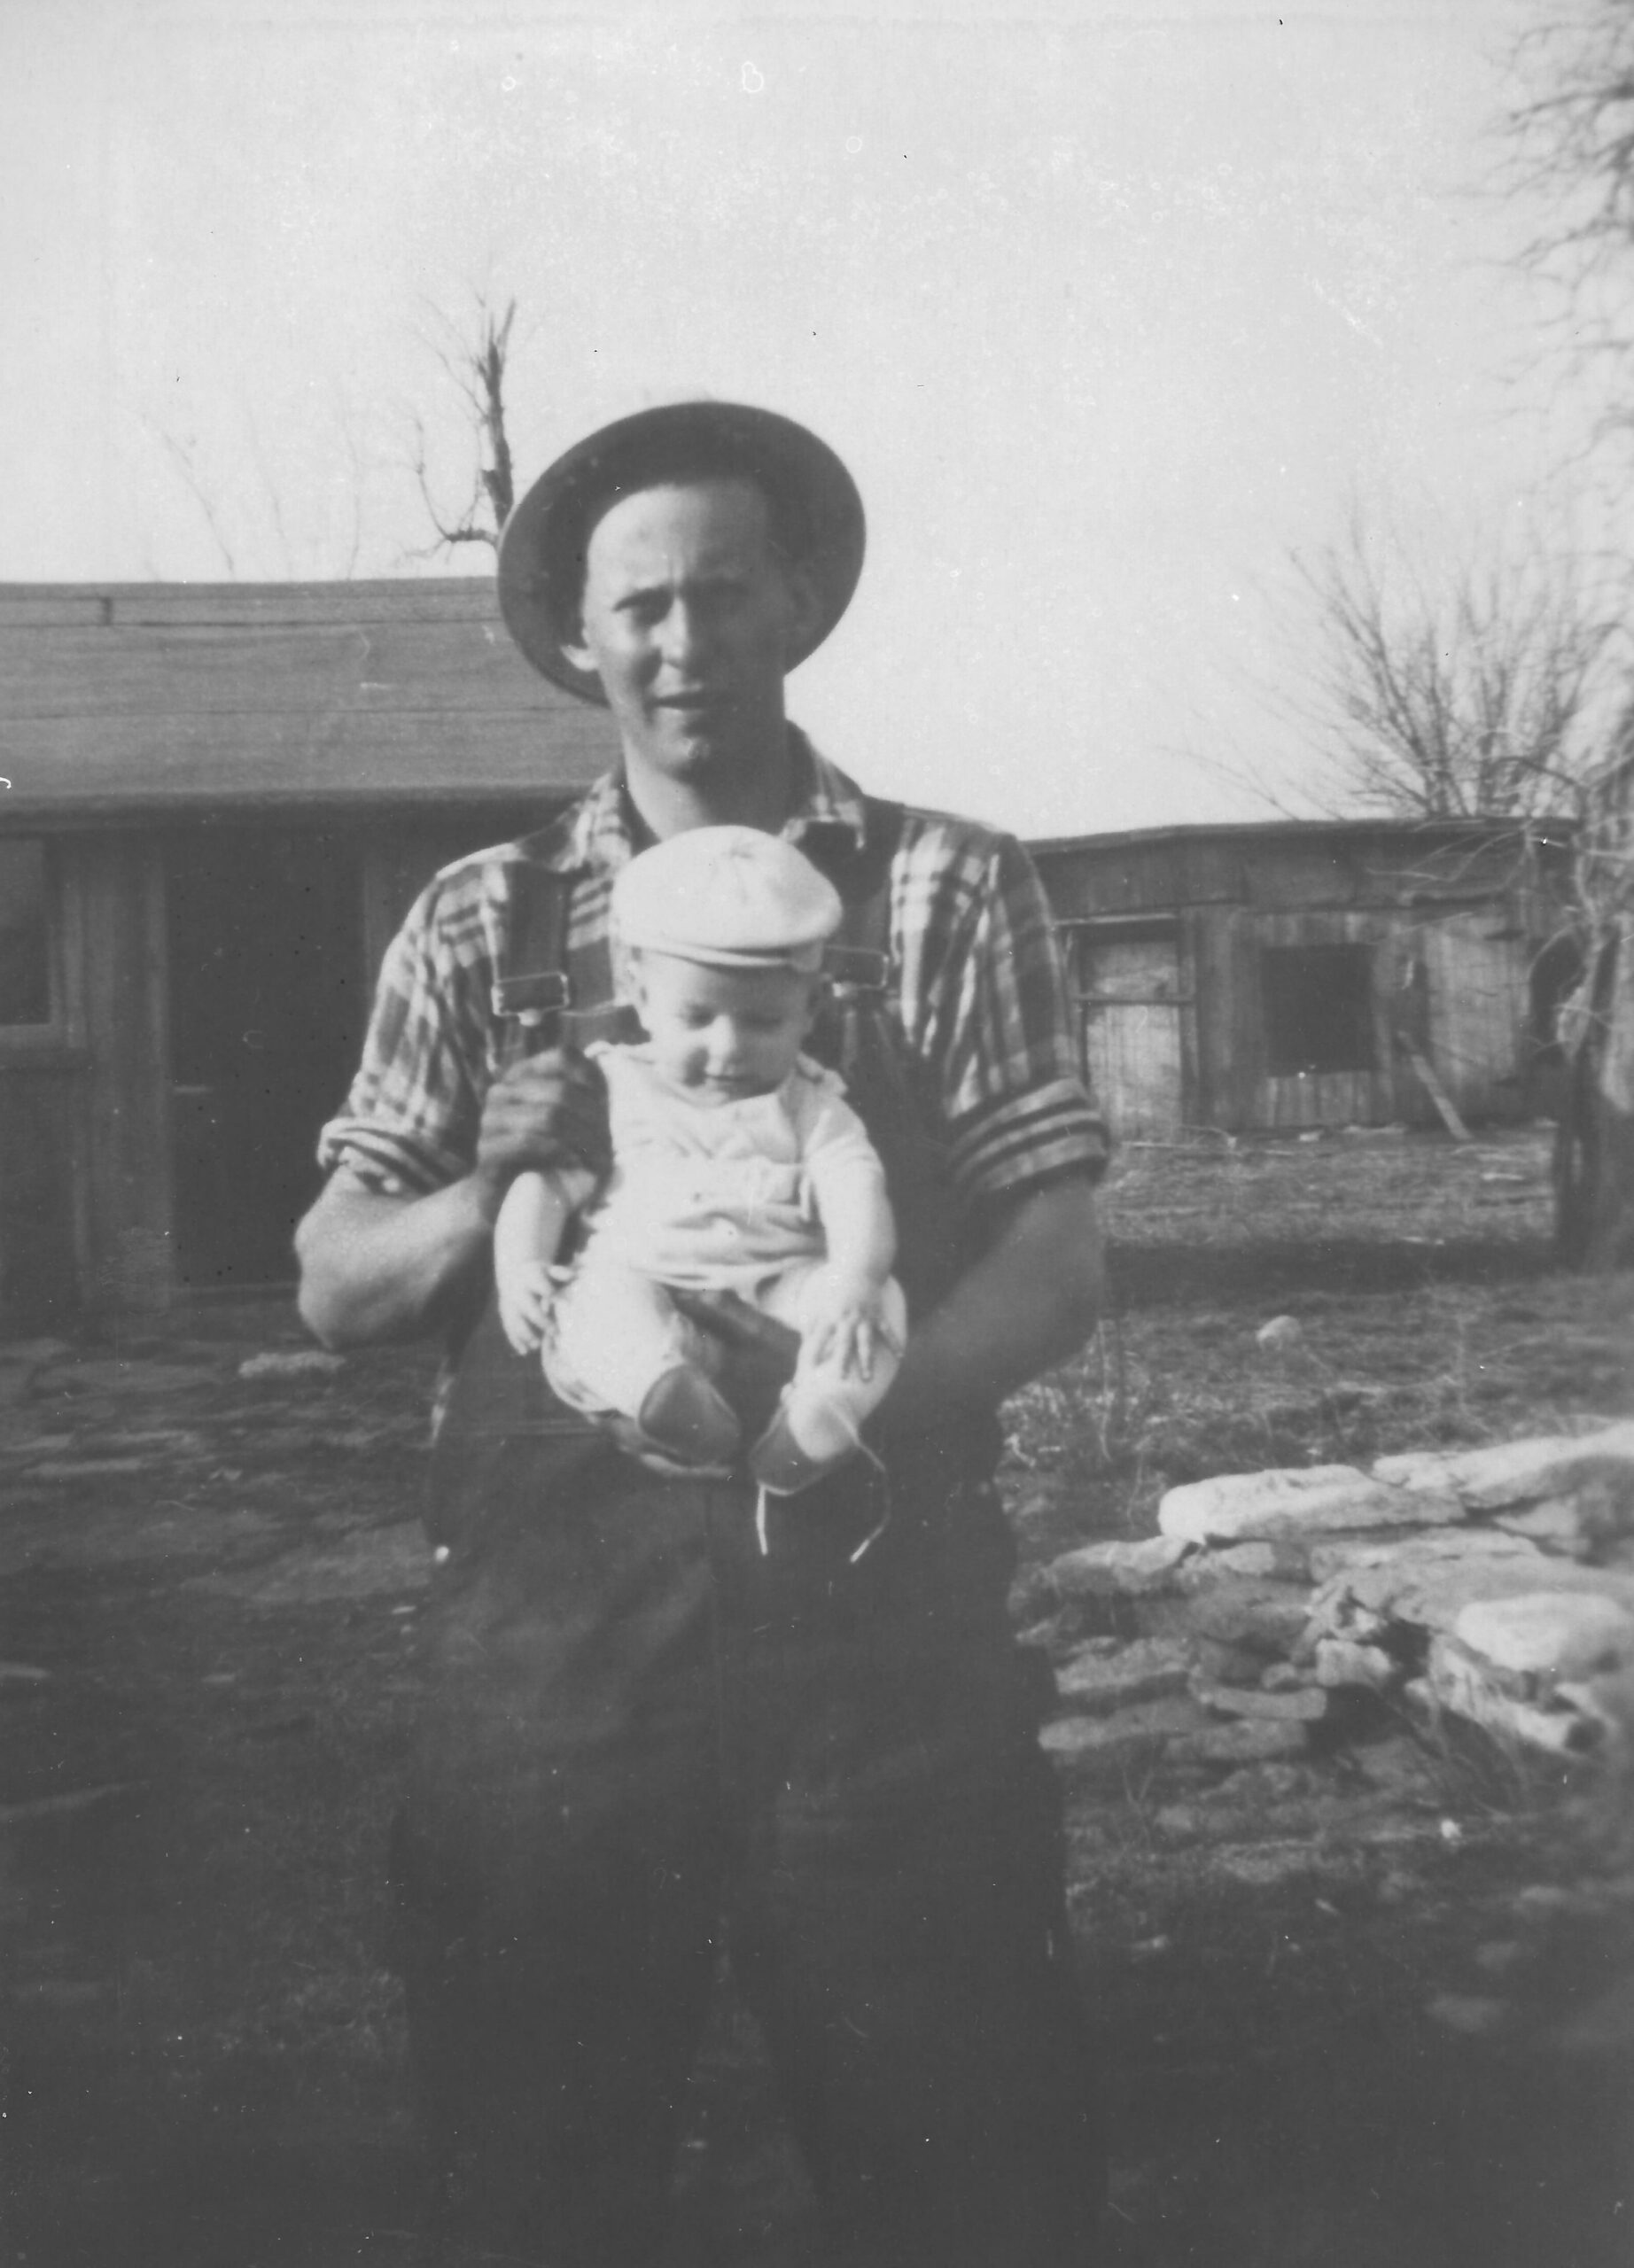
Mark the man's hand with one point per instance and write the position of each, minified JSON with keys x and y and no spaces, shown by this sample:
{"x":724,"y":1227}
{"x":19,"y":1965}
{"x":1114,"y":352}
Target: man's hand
{"x":761,"y":1354}
{"x":547,"y":1112}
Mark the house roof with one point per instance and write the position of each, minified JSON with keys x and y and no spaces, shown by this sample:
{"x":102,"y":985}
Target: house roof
{"x":1312,"y":833}
{"x":141,"y":699}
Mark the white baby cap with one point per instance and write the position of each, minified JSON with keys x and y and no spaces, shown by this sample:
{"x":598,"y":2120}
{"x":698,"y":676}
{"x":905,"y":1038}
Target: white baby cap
{"x":730,"y":896}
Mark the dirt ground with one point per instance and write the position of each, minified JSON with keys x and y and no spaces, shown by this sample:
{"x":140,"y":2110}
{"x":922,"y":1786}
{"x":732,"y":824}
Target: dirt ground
{"x":1379,"y":2014}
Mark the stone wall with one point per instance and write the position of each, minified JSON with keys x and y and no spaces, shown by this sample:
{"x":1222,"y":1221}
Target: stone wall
{"x":1272,"y":1611}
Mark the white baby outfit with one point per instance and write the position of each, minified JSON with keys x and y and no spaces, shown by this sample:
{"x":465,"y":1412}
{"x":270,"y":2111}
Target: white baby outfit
{"x":731,"y":1197}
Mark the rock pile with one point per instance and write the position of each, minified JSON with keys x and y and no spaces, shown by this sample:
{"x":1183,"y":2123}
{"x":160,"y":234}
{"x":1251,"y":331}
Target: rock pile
{"x":1495,"y":1584}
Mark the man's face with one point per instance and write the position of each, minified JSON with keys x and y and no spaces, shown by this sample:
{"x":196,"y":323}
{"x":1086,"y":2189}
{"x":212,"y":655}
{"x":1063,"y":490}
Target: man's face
{"x":689,"y":612}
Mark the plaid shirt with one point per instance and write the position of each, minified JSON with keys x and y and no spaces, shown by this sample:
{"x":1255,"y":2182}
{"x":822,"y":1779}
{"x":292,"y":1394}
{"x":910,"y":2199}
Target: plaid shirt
{"x":978,"y":997}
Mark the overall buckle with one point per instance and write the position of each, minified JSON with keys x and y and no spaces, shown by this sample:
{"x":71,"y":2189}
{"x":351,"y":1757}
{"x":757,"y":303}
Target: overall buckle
{"x":530,"y":999}
{"x":857,"y":969}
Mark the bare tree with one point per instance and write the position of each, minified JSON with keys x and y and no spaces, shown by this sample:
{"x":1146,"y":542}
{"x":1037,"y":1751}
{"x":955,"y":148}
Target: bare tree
{"x":1482,"y":695}
{"x":475,"y":363}
{"x":1572,"y":142}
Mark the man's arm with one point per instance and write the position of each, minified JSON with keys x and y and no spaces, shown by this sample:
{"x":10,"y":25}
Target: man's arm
{"x":375,"y":1267}
{"x":1030,"y":1301}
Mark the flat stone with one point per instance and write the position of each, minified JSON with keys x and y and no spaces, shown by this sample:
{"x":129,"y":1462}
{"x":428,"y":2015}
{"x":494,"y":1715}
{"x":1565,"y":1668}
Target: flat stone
{"x":1261,"y":1618}
{"x":1119,"y":1569}
{"x":1548,"y":1635}
{"x":1427,"y":1585}
{"x":1302,"y":1704}
{"x":1511,"y":1474}
{"x":1556,"y":1524}
{"x":1107,"y":1747}
{"x":1297,"y":1500}
{"x":1097,"y":1681}
{"x":1453,"y":1681}
{"x":295,"y":1362}
{"x":1332,"y":1554}
{"x":1263,"y":1561}
{"x":1341,"y":1661}
{"x":1245,"y":1741}
{"x":1224,"y":1665}
{"x":1278,"y":1677}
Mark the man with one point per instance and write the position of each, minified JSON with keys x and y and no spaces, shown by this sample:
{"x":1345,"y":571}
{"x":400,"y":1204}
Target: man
{"x":645,"y":1721}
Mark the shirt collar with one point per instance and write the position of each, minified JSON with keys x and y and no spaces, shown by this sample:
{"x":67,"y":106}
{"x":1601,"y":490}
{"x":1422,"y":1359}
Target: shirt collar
{"x":601,"y":831}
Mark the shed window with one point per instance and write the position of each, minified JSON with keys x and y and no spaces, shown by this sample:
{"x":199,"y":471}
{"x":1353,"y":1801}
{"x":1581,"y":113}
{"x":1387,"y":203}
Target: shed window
{"x":1318,"y":1008}
{"x":25,"y":933}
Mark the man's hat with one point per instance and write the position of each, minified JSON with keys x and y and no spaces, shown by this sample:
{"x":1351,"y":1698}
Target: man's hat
{"x":816,"y":517}
{"x":729,"y":896}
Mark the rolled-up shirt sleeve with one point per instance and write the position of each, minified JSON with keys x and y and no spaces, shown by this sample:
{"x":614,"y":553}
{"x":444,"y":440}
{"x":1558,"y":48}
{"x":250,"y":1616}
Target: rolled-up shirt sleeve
{"x":408,"y":1125}
{"x":999,"y":1031}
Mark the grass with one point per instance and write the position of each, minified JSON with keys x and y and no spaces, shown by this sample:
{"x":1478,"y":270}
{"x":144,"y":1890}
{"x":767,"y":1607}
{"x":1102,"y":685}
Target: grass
{"x":1427,"y":1317}
{"x":206,"y":2056}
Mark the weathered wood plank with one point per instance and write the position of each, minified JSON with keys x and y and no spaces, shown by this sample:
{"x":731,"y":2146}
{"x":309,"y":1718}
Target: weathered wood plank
{"x":419,"y":667}
{"x":22,"y":607}
{"x":119,"y":886}
{"x":431,"y":598}
{"x":37,"y":1275}
{"x":62,"y":765}
{"x":401,"y":599}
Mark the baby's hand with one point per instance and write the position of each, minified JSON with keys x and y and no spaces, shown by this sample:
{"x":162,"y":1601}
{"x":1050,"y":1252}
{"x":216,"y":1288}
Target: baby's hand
{"x":845,"y":1326}
{"x":525,"y":1291}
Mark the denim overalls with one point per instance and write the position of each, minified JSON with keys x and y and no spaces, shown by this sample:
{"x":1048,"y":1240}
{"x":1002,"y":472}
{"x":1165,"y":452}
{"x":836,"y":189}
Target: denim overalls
{"x":647,"y":1738}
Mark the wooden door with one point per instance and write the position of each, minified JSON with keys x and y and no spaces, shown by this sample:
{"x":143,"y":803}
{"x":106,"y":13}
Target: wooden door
{"x":1132,"y":1001}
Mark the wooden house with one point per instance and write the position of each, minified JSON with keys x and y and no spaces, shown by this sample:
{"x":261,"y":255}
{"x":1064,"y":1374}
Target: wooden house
{"x":219,"y":803}
{"x":1296,"y":975}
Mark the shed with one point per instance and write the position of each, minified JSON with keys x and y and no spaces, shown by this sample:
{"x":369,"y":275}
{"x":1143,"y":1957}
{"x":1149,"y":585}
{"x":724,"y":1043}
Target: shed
{"x":1301,"y":974}
{"x":220,"y":803}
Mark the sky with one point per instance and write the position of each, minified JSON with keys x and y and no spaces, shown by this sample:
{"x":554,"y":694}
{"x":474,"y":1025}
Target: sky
{"x":1114,"y":312}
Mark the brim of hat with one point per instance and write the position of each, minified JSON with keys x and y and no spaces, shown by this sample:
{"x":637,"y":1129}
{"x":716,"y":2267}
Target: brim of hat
{"x":786,"y":455}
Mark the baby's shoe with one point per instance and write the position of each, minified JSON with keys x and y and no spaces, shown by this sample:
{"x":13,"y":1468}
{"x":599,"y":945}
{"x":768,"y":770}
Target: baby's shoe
{"x":797,"y":1449}
{"x":684,"y":1417}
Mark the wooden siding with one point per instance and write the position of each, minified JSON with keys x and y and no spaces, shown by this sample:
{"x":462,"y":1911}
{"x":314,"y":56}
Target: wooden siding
{"x":163,"y":702}
{"x":1290,"y":864}
{"x":1135,"y":1025}
{"x":40,"y":1109}
{"x":127,"y":1241}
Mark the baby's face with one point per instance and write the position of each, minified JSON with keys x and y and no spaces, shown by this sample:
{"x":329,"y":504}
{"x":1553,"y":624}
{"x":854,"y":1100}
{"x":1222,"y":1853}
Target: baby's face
{"x":721,"y":1033}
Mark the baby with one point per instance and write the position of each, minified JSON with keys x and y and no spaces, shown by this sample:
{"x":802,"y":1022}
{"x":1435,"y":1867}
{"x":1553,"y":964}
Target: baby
{"x":737,"y":1166}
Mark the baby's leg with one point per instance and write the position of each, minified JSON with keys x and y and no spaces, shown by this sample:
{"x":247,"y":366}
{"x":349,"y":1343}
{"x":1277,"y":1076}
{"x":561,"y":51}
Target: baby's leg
{"x":619,"y":1343}
{"x":821,"y":1417}
{"x":527,"y":1236}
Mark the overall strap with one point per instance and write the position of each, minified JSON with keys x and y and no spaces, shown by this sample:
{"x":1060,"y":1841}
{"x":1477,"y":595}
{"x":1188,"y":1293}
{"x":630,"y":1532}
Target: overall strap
{"x":550,"y":995}
{"x":858,"y":960}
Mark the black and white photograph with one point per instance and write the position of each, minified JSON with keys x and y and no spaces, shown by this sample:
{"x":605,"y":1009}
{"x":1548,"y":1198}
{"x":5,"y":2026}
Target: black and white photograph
{"x":817,"y":1134}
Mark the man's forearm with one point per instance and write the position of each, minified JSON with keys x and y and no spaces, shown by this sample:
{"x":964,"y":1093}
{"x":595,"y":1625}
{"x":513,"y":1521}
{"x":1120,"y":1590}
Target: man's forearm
{"x":1030,"y":1301}
{"x":378,"y":1268}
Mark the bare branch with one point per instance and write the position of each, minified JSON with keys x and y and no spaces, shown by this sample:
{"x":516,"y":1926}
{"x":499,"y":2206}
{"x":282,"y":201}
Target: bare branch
{"x":475,"y":367}
{"x":182,"y":455}
{"x":1484,"y":696}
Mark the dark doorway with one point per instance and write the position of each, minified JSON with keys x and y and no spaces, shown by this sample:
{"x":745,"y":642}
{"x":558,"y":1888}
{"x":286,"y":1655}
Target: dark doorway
{"x":267,"y":1013}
